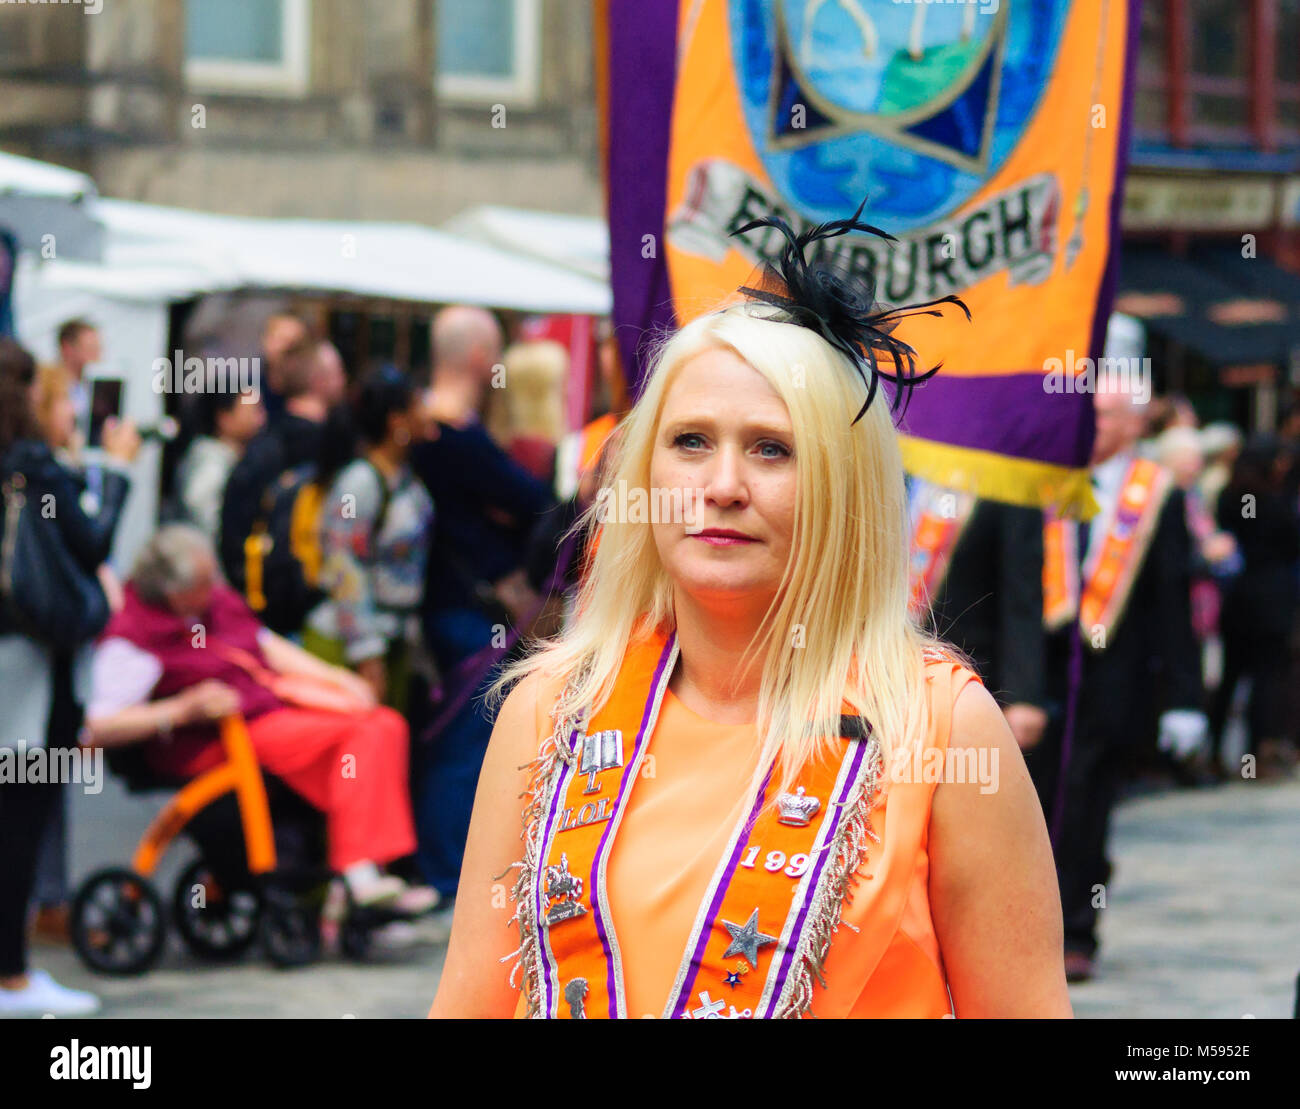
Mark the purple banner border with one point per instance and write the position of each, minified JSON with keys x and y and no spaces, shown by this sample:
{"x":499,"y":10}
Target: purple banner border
{"x":643,"y":78}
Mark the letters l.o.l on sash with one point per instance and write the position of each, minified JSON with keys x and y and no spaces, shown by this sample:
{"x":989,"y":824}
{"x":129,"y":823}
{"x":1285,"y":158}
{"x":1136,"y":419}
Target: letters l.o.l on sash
{"x":765,"y":922}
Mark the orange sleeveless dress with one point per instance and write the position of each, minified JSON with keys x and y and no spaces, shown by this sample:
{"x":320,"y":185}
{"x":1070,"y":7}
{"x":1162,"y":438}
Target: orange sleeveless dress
{"x":676,"y":826}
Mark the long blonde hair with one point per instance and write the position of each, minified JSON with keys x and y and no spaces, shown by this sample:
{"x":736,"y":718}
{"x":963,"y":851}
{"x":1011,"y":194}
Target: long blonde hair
{"x":532,"y":402}
{"x":839,"y":627}
{"x":53,"y":386}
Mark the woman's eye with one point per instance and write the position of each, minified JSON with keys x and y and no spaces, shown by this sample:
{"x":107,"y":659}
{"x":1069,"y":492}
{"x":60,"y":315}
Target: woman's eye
{"x":773,"y":450}
{"x":689,"y":440}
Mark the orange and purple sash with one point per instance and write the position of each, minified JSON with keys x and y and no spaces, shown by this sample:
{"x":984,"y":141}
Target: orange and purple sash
{"x":1126,"y":526}
{"x":939,"y":517}
{"x":764,"y":923}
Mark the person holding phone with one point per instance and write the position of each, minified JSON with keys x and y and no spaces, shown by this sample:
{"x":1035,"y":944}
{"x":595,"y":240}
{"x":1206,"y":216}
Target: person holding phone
{"x":44,"y":688}
{"x":79,"y":346}
{"x":56,"y":416}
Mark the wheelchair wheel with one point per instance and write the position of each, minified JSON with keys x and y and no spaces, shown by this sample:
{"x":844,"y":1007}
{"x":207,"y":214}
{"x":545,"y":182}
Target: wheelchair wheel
{"x":290,"y":929}
{"x":226,"y":924}
{"x":117,"y":922}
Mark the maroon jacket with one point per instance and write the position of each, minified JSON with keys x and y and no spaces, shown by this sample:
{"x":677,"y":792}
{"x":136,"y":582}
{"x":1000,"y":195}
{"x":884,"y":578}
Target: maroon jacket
{"x":187,"y":658}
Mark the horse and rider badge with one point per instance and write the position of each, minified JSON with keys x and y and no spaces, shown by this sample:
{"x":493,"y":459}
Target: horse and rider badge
{"x":563,"y":893}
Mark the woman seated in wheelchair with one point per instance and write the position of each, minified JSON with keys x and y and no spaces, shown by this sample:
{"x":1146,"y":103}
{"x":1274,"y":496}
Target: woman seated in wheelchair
{"x":185,"y":651}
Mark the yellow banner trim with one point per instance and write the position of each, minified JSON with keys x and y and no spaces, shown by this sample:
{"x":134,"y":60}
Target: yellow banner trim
{"x":997,"y":477}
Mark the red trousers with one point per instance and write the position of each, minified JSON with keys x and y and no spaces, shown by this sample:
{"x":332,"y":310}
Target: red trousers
{"x":353,"y":767}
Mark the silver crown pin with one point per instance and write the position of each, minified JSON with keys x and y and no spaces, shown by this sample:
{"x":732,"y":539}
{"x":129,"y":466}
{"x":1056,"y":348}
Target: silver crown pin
{"x":796,"y":809}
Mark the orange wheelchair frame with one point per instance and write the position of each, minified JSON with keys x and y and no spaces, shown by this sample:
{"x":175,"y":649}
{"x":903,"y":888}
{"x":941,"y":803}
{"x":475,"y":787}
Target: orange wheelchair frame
{"x":239,"y":774}
{"x":118,"y":924}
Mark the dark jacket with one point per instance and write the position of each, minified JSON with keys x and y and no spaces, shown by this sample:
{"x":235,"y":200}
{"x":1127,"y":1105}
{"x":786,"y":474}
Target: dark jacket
{"x":1261,"y":600}
{"x":88,"y":535}
{"x":1151,"y":659}
{"x":487,"y":507}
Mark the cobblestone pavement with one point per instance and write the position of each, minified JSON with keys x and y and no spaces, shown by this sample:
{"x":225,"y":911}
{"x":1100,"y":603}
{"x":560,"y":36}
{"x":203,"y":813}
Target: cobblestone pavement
{"x":1203,"y":920}
{"x":1203,"y":916}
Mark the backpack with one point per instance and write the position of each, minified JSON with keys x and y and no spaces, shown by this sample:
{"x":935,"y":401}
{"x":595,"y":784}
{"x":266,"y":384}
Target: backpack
{"x":282,"y":552}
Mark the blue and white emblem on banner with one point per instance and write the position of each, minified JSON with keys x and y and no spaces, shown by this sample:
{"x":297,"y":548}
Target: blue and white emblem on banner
{"x":914,"y":105}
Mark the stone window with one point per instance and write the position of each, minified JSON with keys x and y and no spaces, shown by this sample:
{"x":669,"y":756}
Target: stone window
{"x":488,"y":50}
{"x":253,"y":46}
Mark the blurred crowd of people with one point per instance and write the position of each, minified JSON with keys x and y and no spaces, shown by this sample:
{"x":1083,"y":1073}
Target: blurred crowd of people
{"x":1155,"y":645}
{"x":345,"y":560}
{"x":362,"y":551}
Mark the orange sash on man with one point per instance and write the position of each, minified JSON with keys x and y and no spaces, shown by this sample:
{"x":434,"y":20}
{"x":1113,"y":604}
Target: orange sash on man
{"x":579,"y":451}
{"x":1111,"y":566}
{"x":939,"y":517}
{"x":1060,"y":571}
{"x":764,"y":924}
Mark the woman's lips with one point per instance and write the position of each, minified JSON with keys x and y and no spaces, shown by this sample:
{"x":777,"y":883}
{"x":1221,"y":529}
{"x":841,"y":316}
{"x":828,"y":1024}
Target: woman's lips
{"x":719,"y":537}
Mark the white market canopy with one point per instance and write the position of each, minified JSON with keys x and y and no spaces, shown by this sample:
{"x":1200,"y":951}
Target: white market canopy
{"x":579,"y":243}
{"x":49,"y":208}
{"x":28,"y":177}
{"x":157,"y":253}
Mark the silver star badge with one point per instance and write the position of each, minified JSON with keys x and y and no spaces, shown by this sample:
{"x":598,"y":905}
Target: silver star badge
{"x":747,"y":940}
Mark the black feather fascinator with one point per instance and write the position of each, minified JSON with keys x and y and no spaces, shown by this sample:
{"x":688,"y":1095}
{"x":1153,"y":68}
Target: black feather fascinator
{"x":824,"y":296}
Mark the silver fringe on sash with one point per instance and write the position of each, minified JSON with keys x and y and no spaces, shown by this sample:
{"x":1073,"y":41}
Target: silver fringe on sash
{"x":848,"y":852}
{"x":542,"y":772}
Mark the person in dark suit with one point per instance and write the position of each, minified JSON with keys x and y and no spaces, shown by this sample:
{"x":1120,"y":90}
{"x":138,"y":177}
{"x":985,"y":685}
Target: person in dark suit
{"x":1259,"y":605}
{"x":990,"y":604}
{"x":1143,"y":649}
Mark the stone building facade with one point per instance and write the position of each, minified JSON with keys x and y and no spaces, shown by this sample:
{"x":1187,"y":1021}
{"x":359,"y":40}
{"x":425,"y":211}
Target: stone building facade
{"x":371,"y":109}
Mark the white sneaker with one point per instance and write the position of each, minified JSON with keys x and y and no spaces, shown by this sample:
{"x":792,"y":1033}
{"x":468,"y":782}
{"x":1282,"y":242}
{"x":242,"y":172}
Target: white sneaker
{"x":42,"y":995}
{"x":416,"y":900}
{"x":381,"y":891}
{"x":389,"y":892}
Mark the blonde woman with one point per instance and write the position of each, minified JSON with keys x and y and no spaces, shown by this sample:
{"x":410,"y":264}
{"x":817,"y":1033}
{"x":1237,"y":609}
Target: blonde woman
{"x":748,"y":777}
{"x":526,"y":417}
{"x":56,"y":412}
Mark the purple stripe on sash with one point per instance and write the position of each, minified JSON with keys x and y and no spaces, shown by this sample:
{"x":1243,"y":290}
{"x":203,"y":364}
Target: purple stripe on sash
{"x":624,"y":787}
{"x":859,"y":754}
{"x":715,"y":906}
{"x":543,"y":854}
